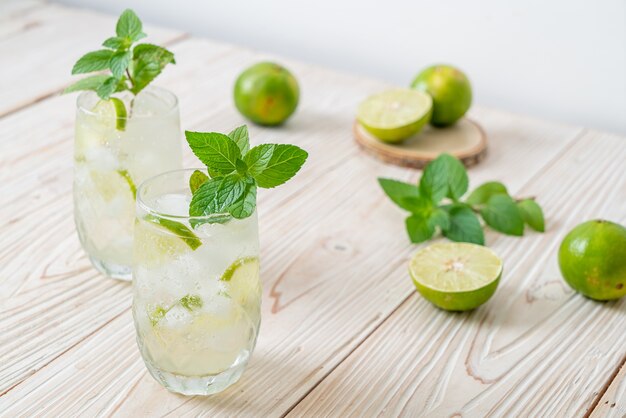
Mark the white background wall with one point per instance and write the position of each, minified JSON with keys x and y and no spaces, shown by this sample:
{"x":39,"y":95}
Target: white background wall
{"x":560,"y":59}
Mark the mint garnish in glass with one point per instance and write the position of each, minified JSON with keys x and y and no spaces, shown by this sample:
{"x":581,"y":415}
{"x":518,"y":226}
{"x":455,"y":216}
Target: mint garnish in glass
{"x":237,"y":171}
{"x":122,"y":65}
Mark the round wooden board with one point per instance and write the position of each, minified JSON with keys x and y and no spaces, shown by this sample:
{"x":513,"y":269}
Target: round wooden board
{"x":466,"y":140}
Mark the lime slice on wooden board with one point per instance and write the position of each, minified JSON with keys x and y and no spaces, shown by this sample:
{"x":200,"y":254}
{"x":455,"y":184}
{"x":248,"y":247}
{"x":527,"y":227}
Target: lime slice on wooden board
{"x":112,"y":112}
{"x":395,"y":115}
{"x":456,"y":276}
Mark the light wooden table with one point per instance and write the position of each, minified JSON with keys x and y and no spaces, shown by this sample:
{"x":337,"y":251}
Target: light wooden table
{"x":344,"y":332}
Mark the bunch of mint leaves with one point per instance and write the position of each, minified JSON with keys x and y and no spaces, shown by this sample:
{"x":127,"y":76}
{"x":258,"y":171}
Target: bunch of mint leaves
{"x":436,"y":202}
{"x":130,"y":68}
{"x":236,"y":170}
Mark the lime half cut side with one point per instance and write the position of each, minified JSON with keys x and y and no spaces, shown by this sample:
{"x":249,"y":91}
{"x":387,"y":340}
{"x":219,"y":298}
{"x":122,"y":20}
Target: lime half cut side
{"x":395,"y":115}
{"x":112,"y":112}
{"x":456,"y":276}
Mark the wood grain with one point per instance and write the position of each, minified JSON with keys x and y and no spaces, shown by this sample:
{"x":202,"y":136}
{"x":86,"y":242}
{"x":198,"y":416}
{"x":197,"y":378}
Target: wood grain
{"x":46,"y":41}
{"x":536,"y":349}
{"x":334,"y":259}
{"x":613,"y":401}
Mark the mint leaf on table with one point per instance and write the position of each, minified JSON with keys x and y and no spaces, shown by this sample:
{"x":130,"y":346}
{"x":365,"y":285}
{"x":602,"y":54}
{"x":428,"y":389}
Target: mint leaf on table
{"x":399,"y":191}
{"x":241,"y":138}
{"x":437,"y":203}
{"x":131,"y":68}
{"x":482,"y":193}
{"x":236,"y":171}
{"x":217,"y":151}
{"x":444,"y":177}
{"x":93,"y":61}
{"x":274,"y":164}
{"x":419,"y":228}
{"x":501,"y":213}
{"x":197,"y":179}
{"x":464,"y":226}
{"x":532,"y":214}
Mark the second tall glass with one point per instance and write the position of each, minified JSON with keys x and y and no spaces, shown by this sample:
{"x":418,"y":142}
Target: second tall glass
{"x":112,"y":155}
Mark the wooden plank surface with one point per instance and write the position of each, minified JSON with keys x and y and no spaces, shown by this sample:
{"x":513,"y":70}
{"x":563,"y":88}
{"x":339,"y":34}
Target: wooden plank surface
{"x":613,"y":402}
{"x":42,"y":41}
{"x":536,"y":349}
{"x":334,"y":257}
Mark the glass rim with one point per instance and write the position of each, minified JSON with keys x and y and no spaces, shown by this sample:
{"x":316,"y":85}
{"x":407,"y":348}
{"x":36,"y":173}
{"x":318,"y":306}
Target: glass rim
{"x":170,"y":109}
{"x":150,"y":210}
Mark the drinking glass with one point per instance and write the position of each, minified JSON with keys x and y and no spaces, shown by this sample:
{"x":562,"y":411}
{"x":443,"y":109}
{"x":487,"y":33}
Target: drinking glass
{"x":111,"y":156}
{"x":196,"y":289}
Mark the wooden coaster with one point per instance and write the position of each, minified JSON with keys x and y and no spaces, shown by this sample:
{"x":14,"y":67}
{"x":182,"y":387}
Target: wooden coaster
{"x":465,"y":140}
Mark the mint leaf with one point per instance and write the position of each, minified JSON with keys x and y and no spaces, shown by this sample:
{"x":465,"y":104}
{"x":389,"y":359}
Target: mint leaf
{"x":148,"y":62}
{"x":532,"y":214}
{"x":440,"y":218}
{"x":464,"y":226}
{"x":240,"y":137}
{"x":501,"y":214}
{"x":398,"y":191}
{"x":88,"y":83}
{"x":419,"y":228}
{"x":128,"y":25}
{"x":119,"y":63}
{"x":445,"y":176}
{"x":274,"y":164}
{"x":217,"y":195}
{"x":117,"y":42}
{"x":196,"y":180}
{"x":419,"y":205}
{"x":191,"y":302}
{"x":245,"y":206}
{"x":217,"y":151}
{"x":106,"y":89}
{"x":482,"y":193}
{"x":93,"y":61}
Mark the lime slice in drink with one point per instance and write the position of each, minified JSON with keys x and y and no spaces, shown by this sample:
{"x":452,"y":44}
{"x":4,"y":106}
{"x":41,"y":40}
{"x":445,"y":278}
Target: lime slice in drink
{"x":395,"y":115}
{"x":112,"y":112}
{"x":456,"y":276}
{"x":159,"y":240}
{"x":112,"y":184}
{"x":242,"y":279}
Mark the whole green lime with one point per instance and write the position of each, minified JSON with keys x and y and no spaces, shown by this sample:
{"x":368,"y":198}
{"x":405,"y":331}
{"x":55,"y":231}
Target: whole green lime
{"x":451,"y":92}
{"x":266,"y":93}
{"x":592,"y":258}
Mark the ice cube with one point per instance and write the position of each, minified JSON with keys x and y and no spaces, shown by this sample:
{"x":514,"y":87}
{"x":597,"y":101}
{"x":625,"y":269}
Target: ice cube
{"x":174,"y":204}
{"x":176,"y":317}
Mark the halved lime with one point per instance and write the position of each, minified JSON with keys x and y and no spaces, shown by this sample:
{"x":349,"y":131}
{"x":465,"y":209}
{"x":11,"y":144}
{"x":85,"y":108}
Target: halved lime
{"x":112,"y":112}
{"x":395,"y":115}
{"x":456,"y":276}
{"x":243,"y":280}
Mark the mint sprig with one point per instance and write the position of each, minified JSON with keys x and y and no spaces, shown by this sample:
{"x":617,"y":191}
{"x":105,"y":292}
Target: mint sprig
{"x":131,"y":67}
{"x":236,"y":171}
{"x":435,"y":203}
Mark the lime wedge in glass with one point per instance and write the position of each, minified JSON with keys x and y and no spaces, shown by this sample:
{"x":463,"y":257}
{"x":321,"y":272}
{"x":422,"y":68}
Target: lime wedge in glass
{"x":456,"y":276}
{"x":242,"y":279}
{"x":159,"y":240}
{"x":112,"y":113}
{"x":395,"y":115}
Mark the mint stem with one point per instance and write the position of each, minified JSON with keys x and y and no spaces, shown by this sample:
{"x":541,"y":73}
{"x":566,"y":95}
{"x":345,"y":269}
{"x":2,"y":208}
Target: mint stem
{"x":132,"y":83}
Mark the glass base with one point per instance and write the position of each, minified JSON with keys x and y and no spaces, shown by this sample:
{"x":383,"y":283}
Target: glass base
{"x":115,"y":271}
{"x":200,"y":385}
